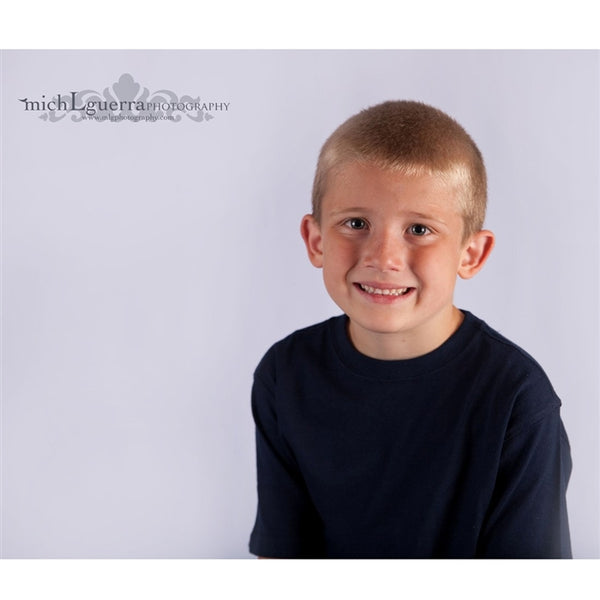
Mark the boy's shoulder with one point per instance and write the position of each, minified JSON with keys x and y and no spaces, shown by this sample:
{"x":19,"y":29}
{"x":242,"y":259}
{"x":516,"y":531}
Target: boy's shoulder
{"x":513,"y":377}
{"x":502,"y":348}
{"x":304,"y":341}
{"x":494,"y":337}
{"x":308,"y":334}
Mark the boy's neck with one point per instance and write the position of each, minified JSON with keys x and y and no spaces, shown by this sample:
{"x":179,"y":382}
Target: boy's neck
{"x":406,"y":345}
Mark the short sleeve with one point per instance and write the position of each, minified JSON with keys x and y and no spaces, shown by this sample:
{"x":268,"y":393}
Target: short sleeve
{"x":287,"y":525}
{"x":527,"y":517}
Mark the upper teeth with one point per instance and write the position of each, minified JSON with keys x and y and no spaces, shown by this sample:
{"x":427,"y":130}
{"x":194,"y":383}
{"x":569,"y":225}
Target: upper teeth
{"x":383,"y":292}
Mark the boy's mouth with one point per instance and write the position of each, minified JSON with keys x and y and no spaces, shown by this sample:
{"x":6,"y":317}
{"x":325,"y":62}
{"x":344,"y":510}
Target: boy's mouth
{"x":375,"y":291}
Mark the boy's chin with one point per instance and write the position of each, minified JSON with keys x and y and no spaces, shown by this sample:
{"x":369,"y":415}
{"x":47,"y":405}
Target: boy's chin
{"x":405,"y":325}
{"x":377,"y":327}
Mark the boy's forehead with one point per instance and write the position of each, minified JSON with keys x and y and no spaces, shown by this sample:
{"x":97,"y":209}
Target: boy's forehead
{"x":365,"y":184}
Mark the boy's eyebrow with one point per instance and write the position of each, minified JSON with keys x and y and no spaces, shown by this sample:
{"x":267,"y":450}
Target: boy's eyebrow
{"x":351,"y":209}
{"x":418,"y":215}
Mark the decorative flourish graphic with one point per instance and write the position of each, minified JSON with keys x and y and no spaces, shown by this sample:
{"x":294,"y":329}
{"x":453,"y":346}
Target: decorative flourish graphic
{"x":125,"y":100}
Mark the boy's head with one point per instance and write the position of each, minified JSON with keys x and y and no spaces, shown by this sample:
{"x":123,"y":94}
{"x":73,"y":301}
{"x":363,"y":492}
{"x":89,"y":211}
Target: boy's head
{"x":398,"y":207}
{"x":414,"y":139}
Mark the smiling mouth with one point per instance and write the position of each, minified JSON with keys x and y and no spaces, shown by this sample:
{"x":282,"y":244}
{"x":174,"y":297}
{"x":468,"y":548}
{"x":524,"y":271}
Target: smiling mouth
{"x":383,"y":291}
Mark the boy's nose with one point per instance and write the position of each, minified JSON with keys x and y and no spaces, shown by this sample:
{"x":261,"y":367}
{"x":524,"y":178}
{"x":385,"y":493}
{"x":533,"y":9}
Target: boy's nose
{"x":385,"y":251}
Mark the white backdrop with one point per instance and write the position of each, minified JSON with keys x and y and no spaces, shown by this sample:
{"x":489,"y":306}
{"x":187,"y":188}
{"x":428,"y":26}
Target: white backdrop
{"x":147,"y":266}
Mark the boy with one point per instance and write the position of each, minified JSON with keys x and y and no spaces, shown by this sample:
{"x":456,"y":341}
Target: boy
{"x":404,"y":428}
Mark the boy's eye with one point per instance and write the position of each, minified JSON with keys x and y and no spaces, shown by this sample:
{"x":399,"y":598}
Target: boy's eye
{"x":356,"y":223}
{"x":418,"y":229}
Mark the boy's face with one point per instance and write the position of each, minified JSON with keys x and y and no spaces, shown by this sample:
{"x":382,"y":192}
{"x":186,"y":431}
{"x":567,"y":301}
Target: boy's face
{"x":391,"y":247}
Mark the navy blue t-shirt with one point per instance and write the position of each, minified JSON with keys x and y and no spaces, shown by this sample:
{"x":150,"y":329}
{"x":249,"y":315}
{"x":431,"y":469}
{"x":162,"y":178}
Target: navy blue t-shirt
{"x":456,"y":454}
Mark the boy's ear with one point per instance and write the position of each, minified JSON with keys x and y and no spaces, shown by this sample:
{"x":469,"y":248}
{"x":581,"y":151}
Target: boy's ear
{"x":311,"y":234}
{"x":475,"y":253}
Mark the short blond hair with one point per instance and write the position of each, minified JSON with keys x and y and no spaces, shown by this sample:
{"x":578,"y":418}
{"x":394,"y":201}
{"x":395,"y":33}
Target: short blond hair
{"x":415,"y":139}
